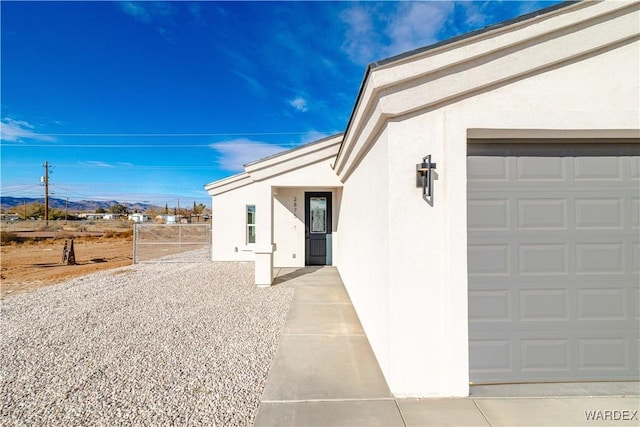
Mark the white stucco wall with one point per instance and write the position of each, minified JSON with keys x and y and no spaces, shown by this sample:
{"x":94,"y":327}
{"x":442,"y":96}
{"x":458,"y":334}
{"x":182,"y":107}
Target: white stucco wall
{"x":404,"y":262}
{"x":229,"y":225}
{"x":286,"y":226}
{"x":412,"y":295}
{"x":289,"y":227}
{"x":363,"y":252}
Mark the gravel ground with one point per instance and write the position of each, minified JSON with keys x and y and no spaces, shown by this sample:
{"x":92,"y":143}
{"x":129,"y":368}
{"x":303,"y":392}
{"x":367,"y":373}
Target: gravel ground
{"x":151,"y":344}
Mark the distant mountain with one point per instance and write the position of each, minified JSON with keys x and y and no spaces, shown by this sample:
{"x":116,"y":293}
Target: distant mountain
{"x":11,"y":203}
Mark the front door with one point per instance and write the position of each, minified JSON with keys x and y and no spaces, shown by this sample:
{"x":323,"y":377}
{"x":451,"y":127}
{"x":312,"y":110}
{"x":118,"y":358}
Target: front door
{"x":317,"y":221}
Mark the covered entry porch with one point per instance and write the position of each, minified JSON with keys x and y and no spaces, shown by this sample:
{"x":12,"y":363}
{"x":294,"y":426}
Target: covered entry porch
{"x":297,"y":228}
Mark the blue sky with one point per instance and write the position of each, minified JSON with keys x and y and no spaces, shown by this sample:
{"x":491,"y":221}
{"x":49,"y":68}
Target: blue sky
{"x":149,"y":101}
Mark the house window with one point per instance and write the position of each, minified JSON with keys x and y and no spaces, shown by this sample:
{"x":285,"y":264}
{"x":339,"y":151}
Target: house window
{"x":251,"y":224}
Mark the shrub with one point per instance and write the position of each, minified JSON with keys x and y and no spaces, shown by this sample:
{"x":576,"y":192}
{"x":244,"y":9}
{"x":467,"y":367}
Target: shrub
{"x":7,"y":237}
{"x":64,"y":235}
{"x":111,"y":234}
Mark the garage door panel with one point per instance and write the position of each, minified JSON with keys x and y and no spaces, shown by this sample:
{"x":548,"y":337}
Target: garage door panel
{"x":490,"y":356}
{"x":600,"y":258}
{"x":489,"y":259}
{"x":491,"y":305}
{"x":489,"y":214}
{"x":545,"y":354}
{"x":542,"y":214}
{"x":488,"y":169}
{"x":540,"y":169}
{"x":602,"y":304}
{"x":535,"y":259}
{"x":600,"y":213}
{"x":553,"y":262}
{"x":601,"y":168}
{"x":634,"y":168}
{"x":604,"y":354}
{"x":544,"y":305}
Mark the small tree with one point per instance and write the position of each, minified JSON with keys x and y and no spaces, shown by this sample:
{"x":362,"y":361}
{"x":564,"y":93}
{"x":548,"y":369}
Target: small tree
{"x":100,"y":210}
{"x":199,"y":208}
{"x":118,"y":209}
{"x":35,"y":210}
{"x":153,"y":212}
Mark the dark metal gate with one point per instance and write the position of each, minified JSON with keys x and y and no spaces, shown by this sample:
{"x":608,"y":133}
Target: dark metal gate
{"x":171,"y":243}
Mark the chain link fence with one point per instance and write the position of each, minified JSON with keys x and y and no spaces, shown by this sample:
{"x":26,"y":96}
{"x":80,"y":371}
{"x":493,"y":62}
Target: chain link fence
{"x":83,"y":226}
{"x":171,"y":243}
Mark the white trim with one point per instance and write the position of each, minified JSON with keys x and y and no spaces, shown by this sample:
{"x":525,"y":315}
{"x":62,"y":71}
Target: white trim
{"x":294,"y":159}
{"x":487,"y":60}
{"x":550,"y":134}
{"x":260,"y":170}
{"x":228,"y":184}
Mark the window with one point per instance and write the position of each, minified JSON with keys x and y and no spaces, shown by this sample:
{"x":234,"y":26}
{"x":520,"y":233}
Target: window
{"x":251,"y":224}
{"x":318,"y":211}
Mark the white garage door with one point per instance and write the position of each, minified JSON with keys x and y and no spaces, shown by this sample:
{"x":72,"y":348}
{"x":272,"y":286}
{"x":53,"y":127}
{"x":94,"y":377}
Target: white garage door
{"x":553,"y":259}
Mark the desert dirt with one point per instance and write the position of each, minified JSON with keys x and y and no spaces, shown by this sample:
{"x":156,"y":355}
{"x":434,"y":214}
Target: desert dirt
{"x":36,"y":264}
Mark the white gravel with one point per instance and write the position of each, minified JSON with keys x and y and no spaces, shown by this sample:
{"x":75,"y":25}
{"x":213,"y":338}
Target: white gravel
{"x":151,"y":344}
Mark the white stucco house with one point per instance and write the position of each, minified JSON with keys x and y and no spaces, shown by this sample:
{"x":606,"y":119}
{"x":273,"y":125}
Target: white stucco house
{"x":139,"y":217}
{"x":521,"y":261}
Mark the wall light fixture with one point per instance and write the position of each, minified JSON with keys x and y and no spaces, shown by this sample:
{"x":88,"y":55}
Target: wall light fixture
{"x":424,"y":177}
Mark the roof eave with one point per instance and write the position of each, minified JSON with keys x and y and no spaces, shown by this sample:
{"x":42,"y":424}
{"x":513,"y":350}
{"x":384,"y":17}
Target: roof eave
{"x":403,"y":56}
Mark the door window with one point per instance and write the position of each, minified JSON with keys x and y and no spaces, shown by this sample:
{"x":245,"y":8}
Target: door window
{"x":318,"y":211}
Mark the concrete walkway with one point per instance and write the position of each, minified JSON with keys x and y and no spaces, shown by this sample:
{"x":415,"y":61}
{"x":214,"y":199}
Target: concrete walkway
{"x":325,"y":374}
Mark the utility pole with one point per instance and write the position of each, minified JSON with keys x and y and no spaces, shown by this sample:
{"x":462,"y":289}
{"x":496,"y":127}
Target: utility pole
{"x":46,"y":193}
{"x":66,"y":210}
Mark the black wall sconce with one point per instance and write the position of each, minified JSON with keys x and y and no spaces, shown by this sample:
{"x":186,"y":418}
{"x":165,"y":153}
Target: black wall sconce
{"x":424,"y":177}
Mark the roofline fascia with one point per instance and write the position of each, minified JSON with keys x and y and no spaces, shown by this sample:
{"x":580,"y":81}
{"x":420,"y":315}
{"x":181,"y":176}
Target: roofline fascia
{"x":496,"y":26}
{"x":286,"y":152}
{"x":377,"y":64}
{"x":233,"y":181}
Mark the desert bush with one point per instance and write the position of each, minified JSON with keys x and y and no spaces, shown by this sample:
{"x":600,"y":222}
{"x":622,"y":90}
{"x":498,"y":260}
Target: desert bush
{"x":64,"y":235}
{"x":7,"y":237}
{"x":127,"y":234}
{"x":112,"y":234}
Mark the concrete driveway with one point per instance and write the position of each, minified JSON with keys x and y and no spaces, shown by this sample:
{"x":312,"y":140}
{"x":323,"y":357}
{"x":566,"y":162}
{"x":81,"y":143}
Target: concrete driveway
{"x":325,"y":374}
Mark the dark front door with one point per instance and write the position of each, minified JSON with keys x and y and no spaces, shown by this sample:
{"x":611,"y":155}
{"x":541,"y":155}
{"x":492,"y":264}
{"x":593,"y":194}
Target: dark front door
{"x":317,"y":222}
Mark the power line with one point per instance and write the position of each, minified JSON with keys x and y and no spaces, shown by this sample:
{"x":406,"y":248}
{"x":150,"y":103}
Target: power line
{"x":117,"y":166}
{"x":188,"y":135}
{"x":54,"y":145}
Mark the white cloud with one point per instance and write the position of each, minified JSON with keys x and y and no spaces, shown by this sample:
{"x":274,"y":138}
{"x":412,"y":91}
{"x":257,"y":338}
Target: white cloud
{"x":97,"y":164}
{"x":235,"y":153}
{"x":18,"y":130}
{"x":360,"y":39}
{"x":160,"y":15}
{"x":299,"y":104}
{"x":417,"y":24}
{"x":253,"y":84}
{"x":137,"y":10}
{"x":475,"y":14}
{"x":372,"y":32}
{"x":314,"y":135}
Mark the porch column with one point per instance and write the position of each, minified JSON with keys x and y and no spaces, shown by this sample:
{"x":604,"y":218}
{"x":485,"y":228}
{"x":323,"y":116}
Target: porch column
{"x":264,"y":236}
